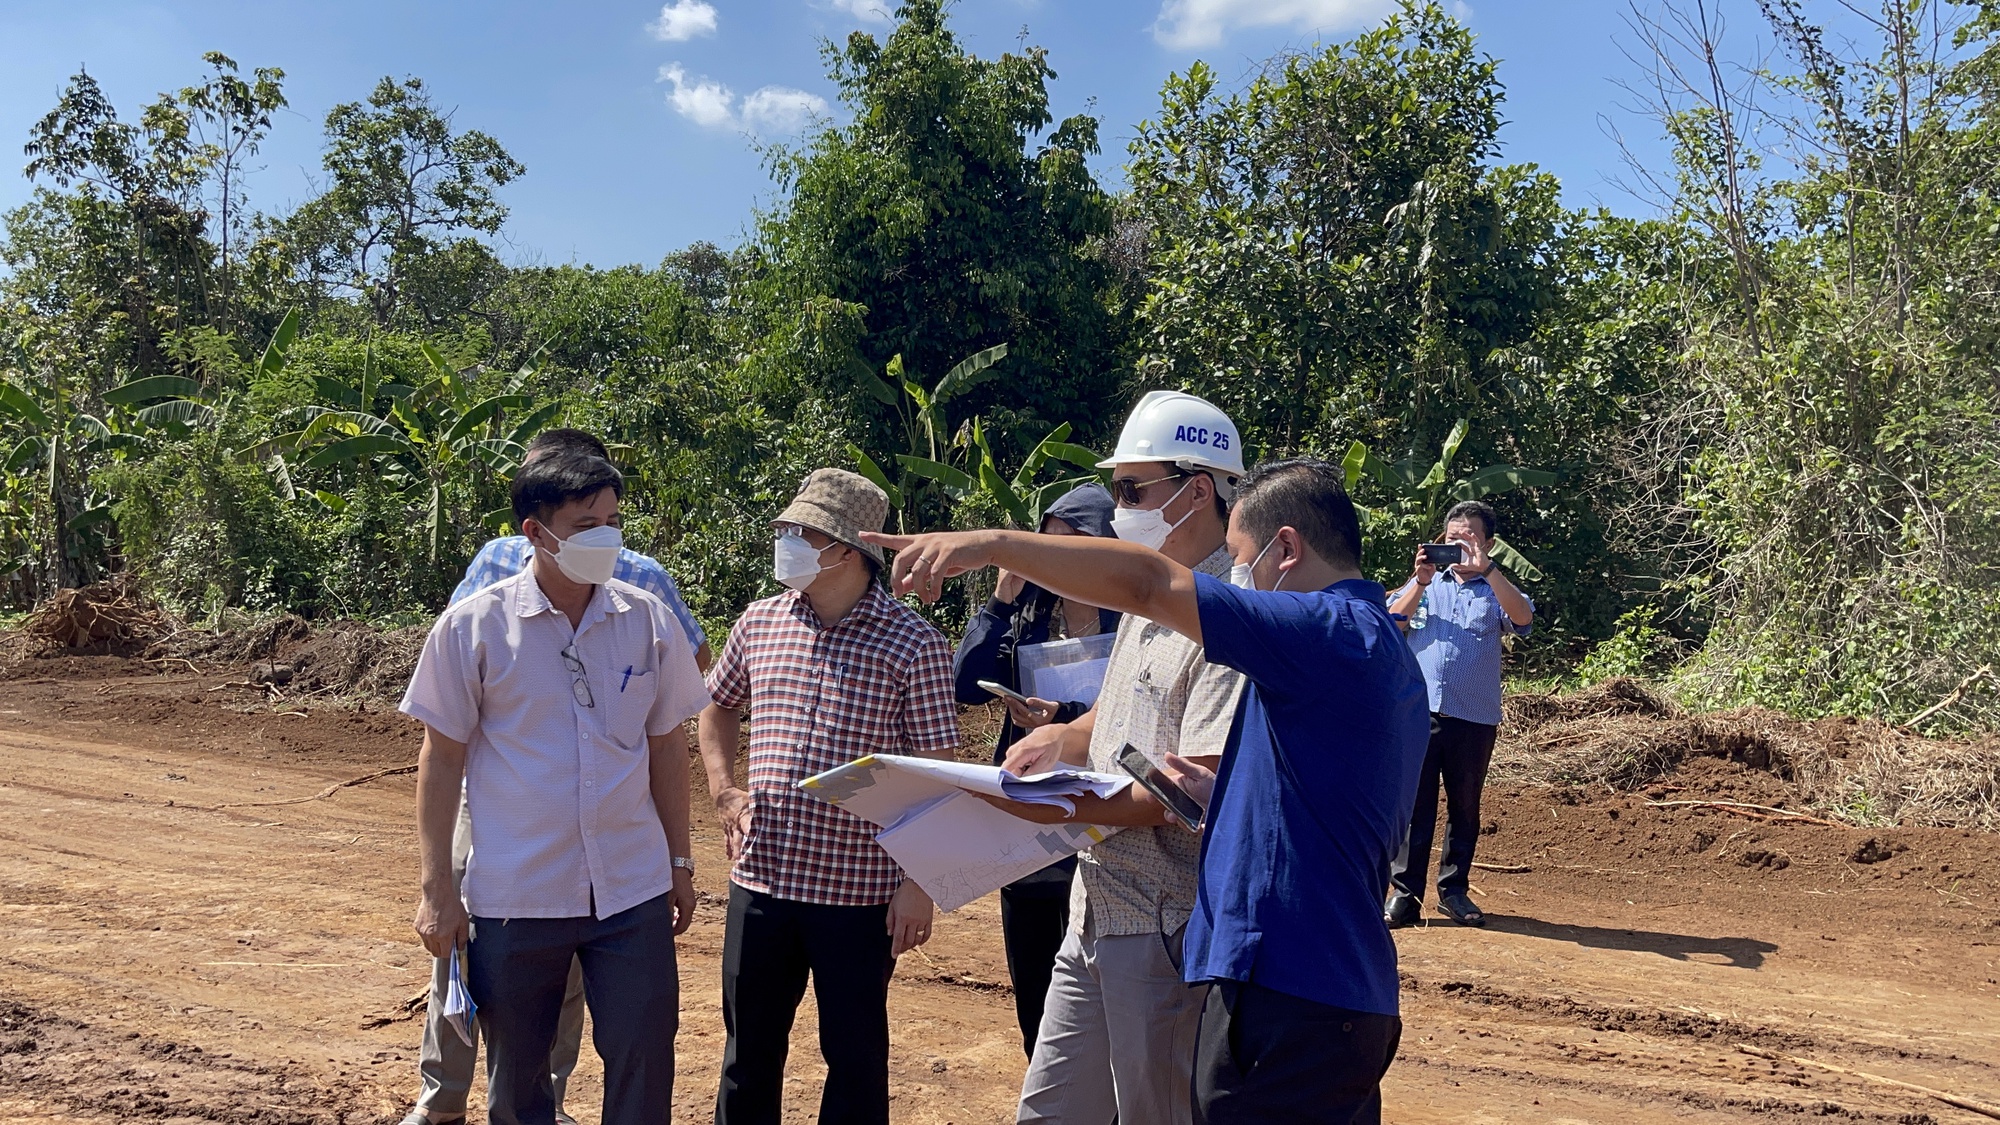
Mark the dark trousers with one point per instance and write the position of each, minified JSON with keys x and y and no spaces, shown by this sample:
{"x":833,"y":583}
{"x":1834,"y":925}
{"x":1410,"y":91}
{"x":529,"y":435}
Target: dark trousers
{"x":631,"y":984}
{"x":1267,"y":1058}
{"x":1458,"y":756}
{"x":1034,"y":917}
{"x":770,"y":947}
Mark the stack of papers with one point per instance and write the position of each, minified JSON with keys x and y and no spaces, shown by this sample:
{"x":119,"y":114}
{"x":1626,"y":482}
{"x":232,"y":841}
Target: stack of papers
{"x":459,"y":1010}
{"x":957,"y":847}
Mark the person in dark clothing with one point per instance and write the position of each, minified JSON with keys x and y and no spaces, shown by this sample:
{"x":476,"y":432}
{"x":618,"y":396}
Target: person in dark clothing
{"x":1034,"y":911}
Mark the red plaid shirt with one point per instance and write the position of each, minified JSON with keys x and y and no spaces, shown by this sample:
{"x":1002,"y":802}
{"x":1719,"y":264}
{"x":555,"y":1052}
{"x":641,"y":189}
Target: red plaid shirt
{"x":877,"y":682}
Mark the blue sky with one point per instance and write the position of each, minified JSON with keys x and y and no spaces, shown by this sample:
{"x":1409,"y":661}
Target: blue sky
{"x":633,"y":119}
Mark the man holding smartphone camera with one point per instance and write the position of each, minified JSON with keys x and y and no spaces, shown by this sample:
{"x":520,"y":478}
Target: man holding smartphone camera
{"x":1456,"y":611}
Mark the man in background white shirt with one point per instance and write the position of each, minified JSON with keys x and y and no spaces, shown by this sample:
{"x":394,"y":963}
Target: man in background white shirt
{"x":557,"y":696}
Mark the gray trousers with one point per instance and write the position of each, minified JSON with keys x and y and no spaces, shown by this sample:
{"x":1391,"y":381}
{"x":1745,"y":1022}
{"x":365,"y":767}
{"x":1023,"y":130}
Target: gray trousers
{"x":1118,"y":1034}
{"x":447,"y":1062}
{"x":518,"y":968}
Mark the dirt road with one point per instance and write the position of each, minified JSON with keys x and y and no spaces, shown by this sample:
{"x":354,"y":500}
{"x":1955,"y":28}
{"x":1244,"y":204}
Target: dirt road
{"x":166,"y":959}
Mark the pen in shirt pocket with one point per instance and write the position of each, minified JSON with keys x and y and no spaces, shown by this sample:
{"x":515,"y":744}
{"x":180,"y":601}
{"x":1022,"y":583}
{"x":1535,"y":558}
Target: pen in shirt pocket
{"x":631,"y":670}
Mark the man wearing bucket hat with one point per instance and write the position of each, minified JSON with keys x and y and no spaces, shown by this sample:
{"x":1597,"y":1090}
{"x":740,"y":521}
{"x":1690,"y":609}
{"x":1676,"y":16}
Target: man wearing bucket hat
{"x":1118,"y":1026}
{"x":833,"y":669}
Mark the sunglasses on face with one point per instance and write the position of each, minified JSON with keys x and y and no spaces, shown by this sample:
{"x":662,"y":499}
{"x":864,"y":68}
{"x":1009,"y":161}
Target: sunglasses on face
{"x":1127,"y":490}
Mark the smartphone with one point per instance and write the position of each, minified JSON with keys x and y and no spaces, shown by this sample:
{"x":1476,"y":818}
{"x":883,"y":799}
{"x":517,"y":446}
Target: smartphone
{"x":1003,"y":691}
{"x":1444,"y":554}
{"x":1186,"y":809}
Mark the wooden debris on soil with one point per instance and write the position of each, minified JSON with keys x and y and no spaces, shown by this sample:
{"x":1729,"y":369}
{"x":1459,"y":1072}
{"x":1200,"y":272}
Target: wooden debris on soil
{"x":1960,"y":1101}
{"x":112,"y":616}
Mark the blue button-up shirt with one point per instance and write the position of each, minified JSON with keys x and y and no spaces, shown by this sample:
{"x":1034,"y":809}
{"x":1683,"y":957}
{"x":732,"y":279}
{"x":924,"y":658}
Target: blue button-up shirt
{"x":1314,"y":794}
{"x":508,"y":555}
{"x":1456,"y":635}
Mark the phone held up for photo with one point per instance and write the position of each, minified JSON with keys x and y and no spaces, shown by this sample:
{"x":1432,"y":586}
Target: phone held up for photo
{"x":1444,"y":554}
{"x":1002,"y":690}
{"x":1186,"y":809}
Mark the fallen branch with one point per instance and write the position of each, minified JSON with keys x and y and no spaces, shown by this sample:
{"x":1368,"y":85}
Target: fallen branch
{"x":1732,"y":806}
{"x":1985,"y":1108}
{"x":326,"y":792}
{"x":419,"y":1001}
{"x":1504,"y":868}
{"x":1957,"y":693}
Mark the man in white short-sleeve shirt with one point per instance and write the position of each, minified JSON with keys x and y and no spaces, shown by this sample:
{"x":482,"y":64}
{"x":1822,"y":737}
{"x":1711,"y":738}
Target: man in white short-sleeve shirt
{"x":557,"y":696}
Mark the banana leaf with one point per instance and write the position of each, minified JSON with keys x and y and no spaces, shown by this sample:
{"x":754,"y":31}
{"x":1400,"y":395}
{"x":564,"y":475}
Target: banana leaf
{"x":957,"y":483}
{"x":275,"y":352}
{"x":866,"y":466}
{"x":152,"y":387}
{"x":349,"y":449}
{"x":19,"y":403}
{"x":969,"y":371}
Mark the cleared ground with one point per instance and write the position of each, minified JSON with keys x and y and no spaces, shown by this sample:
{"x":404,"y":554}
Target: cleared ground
{"x":163,"y":959}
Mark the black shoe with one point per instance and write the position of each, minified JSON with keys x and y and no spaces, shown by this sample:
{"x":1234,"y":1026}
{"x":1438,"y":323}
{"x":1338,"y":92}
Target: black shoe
{"x":1403,"y":910}
{"x":1460,"y":909}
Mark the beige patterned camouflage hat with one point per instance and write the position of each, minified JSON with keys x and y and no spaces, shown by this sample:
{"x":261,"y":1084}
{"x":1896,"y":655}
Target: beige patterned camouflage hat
{"x":841,"y":504}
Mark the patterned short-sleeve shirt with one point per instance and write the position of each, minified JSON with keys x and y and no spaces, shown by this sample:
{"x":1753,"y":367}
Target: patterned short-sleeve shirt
{"x":878,"y":681}
{"x":1161,"y":696}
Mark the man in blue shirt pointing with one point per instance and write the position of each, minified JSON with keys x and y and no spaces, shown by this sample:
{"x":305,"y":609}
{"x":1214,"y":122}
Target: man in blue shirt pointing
{"x":1314,"y":792}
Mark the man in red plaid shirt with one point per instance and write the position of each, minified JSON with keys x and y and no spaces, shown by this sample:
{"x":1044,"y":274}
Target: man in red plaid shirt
{"x":833,"y":670}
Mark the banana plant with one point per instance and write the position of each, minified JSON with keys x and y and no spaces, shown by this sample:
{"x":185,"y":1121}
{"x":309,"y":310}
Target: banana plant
{"x":927,"y":431}
{"x":51,"y":447}
{"x":429,"y":443}
{"x":1019,"y":496}
{"x":1420,"y":493}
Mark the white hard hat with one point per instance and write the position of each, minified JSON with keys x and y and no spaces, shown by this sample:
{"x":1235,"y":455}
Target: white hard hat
{"x":1190,"y":432}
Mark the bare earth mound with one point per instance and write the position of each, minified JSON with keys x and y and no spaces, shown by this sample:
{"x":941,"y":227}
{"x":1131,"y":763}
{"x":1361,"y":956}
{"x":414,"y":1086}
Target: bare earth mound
{"x":1622,"y":735}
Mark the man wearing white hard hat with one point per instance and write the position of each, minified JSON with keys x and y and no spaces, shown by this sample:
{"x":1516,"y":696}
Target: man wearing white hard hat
{"x":1117,"y":1040}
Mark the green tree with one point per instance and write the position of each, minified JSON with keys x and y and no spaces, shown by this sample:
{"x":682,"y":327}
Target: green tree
{"x":930,"y":217}
{"x":1842,"y":345}
{"x":114,"y":253}
{"x":1331,"y":255}
{"x":230,"y":118}
{"x":404,"y":188}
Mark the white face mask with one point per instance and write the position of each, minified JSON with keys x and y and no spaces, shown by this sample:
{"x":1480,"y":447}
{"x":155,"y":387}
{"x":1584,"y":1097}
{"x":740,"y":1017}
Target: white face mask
{"x":1148,"y":527}
{"x":590,"y":556}
{"x":1239,"y":575}
{"x":795,"y":562}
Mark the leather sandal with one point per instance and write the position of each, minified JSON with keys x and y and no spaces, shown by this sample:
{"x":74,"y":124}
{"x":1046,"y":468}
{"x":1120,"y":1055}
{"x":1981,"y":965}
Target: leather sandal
{"x":1461,"y":909}
{"x":1402,"y":910}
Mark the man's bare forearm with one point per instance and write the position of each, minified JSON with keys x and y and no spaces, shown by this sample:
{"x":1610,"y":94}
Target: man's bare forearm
{"x":1405,"y":603}
{"x":719,"y":729}
{"x":440,"y":787}
{"x":1512,"y":601}
{"x":672,"y":784}
{"x":1100,"y":572}
{"x":1118,"y":576}
{"x":1076,"y":739}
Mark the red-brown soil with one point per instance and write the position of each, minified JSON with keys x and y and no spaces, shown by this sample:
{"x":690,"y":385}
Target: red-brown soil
{"x":165,"y":960}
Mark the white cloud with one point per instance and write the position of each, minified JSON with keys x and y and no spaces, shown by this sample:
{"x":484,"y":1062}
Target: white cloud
{"x":711,"y":105}
{"x":1185,"y":24}
{"x":704,"y":102}
{"x":682,"y":20}
{"x":867,"y":11}
{"x":781,"y":109}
